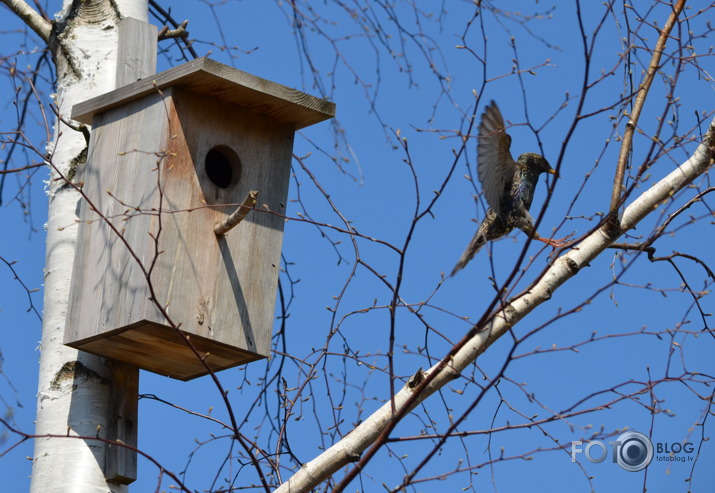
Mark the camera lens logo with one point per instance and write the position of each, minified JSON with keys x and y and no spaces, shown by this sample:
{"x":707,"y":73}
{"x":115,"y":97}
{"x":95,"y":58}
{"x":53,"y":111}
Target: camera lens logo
{"x":634,"y":451}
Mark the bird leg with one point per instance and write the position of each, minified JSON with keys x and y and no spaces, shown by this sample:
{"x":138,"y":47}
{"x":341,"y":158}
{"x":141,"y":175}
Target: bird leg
{"x":526,"y":224}
{"x":559,"y":243}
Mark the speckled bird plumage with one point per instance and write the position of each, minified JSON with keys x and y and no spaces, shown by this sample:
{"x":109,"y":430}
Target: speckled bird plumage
{"x":508,"y":185}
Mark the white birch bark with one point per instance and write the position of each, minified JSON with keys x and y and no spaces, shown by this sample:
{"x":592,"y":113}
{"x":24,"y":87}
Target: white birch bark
{"x":565,"y":267}
{"x":73,"y":386}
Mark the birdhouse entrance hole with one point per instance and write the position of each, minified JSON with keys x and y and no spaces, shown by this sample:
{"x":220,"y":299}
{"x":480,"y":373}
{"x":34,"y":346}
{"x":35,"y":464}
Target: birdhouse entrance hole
{"x":223,"y":167}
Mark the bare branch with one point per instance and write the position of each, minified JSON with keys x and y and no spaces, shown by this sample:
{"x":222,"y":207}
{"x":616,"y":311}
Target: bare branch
{"x":381,"y":422}
{"x":640,"y":101}
{"x":179,"y":32}
{"x":31,"y":17}
{"x":232,"y":221}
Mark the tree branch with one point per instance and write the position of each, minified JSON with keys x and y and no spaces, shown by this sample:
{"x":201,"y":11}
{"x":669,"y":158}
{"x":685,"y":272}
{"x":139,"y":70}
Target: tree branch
{"x":382,"y":421}
{"x":647,"y":245}
{"x":31,"y":17}
{"x":179,"y":32}
{"x":638,"y":106}
{"x":232,"y":221}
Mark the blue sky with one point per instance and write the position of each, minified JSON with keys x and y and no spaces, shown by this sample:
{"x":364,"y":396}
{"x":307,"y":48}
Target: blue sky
{"x":374,"y":188}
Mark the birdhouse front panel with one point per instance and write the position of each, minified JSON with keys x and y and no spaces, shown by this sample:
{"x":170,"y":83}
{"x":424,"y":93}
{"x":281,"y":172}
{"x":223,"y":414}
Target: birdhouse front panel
{"x":163,"y":168}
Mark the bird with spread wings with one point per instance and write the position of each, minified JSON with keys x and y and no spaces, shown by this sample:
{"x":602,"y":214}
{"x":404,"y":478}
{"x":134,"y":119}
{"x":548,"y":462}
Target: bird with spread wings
{"x":508,"y":185}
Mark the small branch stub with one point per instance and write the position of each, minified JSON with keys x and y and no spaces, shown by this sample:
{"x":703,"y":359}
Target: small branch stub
{"x":179,"y":32}
{"x":232,"y":221}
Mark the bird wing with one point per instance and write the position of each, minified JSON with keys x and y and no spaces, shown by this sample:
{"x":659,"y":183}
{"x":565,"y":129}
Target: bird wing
{"x":496,"y":167}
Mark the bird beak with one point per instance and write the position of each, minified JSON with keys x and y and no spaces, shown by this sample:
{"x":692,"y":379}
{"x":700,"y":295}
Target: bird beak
{"x":553,"y":172}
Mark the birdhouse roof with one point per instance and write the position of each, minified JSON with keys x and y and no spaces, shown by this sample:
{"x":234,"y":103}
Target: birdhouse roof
{"x":222,"y":82}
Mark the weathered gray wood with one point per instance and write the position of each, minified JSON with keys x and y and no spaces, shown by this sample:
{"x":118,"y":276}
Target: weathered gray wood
{"x":136,"y":59}
{"x":136,"y":55}
{"x":160,"y":349}
{"x":121,"y":462}
{"x":222,"y":82}
{"x":150,"y":154}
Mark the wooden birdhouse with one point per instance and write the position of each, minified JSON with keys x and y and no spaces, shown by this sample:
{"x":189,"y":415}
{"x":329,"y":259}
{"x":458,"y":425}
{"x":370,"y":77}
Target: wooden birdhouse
{"x":170,"y":157}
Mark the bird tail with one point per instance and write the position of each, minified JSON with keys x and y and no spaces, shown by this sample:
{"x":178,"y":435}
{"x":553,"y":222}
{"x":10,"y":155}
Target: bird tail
{"x":474,"y":246}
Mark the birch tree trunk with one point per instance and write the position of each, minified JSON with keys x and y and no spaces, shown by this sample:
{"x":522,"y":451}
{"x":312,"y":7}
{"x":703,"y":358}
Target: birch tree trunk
{"x":73,"y":388}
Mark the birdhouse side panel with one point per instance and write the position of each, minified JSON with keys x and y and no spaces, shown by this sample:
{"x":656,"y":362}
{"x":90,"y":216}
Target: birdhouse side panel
{"x":184,"y":274}
{"x":226,"y":287}
{"x":109,"y":288}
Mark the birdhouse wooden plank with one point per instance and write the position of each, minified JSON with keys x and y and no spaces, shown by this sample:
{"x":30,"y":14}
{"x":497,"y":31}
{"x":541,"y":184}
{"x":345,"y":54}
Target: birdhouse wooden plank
{"x":169,"y":157}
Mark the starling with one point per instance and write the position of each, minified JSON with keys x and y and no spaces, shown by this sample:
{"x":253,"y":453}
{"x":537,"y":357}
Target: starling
{"x":508,"y":186}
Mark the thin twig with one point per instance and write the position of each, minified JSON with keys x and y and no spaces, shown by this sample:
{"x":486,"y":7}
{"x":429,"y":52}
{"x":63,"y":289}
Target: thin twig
{"x":165,"y":17}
